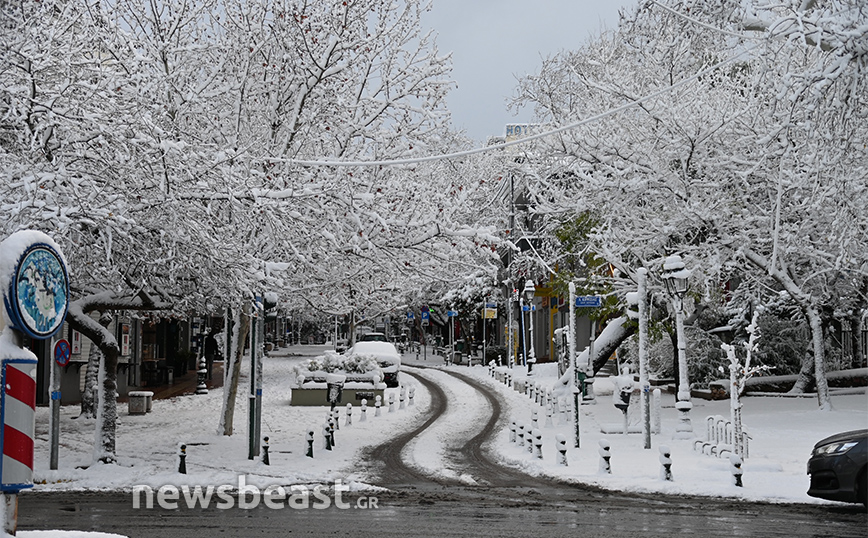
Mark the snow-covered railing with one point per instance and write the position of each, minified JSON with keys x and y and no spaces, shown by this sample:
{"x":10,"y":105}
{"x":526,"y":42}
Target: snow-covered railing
{"x":719,"y":438}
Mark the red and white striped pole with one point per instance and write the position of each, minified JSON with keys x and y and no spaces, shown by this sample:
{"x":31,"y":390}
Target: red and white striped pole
{"x":36,"y":297}
{"x":17,"y":415}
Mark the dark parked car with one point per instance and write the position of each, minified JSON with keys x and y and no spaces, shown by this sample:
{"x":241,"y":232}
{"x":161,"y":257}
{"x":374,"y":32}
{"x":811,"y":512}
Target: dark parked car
{"x":373,"y":337}
{"x":838,"y":468}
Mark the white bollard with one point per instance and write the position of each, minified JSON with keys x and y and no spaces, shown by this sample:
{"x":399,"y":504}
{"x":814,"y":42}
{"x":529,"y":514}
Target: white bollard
{"x":336,"y":416}
{"x":402,"y":397}
{"x":549,"y":422}
{"x":735,"y":463}
{"x":364,"y":415}
{"x":605,"y":457}
{"x":665,"y":463}
{"x":378,"y":402}
{"x":534,"y":419}
{"x":655,"y":410}
{"x":512,"y":428}
{"x":349,"y":421}
{"x":521,"y":435}
{"x":411,"y":396}
{"x":537,"y":443}
{"x":562,"y":449}
{"x":391,"y":402}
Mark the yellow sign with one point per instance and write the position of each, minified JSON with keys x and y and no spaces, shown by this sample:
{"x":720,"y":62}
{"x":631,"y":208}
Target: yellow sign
{"x":489,"y":313}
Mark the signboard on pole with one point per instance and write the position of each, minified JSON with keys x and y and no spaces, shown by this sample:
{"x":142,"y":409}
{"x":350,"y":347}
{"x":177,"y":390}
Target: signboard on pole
{"x":589,"y":301}
{"x":452,"y":313}
{"x":426,"y":316}
{"x":36,"y":301}
{"x":62,"y":351}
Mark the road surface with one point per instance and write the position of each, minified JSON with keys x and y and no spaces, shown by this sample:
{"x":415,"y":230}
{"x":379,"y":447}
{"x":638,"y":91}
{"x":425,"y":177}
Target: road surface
{"x":504,"y":502}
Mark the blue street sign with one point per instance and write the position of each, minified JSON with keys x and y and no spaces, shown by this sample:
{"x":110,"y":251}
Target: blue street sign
{"x":528,"y":308}
{"x":589,"y":301}
{"x":409,"y":315}
{"x":490,"y":305}
{"x":425,"y":316}
{"x":452,"y":313}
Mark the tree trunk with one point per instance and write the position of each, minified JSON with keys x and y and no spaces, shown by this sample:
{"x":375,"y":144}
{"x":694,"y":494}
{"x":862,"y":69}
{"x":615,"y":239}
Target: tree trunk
{"x":89,"y":400}
{"x":241,"y":326}
{"x":91,"y":378}
{"x":816,"y":322}
{"x":806,"y":375}
{"x":858,"y":357}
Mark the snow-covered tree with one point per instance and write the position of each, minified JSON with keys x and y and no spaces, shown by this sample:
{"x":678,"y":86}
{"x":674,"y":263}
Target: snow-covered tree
{"x":159,"y":144}
{"x":738,"y":144}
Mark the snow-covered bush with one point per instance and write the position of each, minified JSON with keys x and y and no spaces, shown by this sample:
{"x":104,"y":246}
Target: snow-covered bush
{"x":332,"y":362}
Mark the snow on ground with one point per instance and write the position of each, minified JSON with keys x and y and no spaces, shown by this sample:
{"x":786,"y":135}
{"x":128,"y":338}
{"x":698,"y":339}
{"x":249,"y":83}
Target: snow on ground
{"x":148,"y":445}
{"x":783,"y":432}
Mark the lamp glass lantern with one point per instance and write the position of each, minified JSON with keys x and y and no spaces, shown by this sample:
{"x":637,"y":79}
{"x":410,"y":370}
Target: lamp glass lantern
{"x":529,"y":290}
{"x":675,"y":276}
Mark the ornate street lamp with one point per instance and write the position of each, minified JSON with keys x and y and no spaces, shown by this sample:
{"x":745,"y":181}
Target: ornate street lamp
{"x":675,"y":278}
{"x":529,"y":291}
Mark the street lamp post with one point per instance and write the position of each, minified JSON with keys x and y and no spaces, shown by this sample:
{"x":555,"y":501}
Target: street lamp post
{"x":675,"y":277}
{"x":529,"y":291}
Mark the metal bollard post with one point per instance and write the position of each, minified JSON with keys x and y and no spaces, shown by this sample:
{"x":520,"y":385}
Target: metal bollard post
{"x":549,"y":423}
{"x":512,"y":428}
{"x":509,"y":379}
{"x":391,"y":402}
{"x":378,"y":402}
{"x":309,"y":444}
{"x":411,"y":395}
{"x":402,"y":397}
{"x":735,"y":463}
{"x":265,"y":459}
{"x":336,"y":417}
{"x":364,"y":415}
{"x":537,"y":443}
{"x":562,"y":449}
{"x":521,"y":435}
{"x":182,"y":459}
{"x":327,"y":436}
{"x":534,"y":419}
{"x":655,"y":409}
{"x":605,"y":457}
{"x":331,"y":426}
{"x":349,"y":421}
{"x":666,"y":463}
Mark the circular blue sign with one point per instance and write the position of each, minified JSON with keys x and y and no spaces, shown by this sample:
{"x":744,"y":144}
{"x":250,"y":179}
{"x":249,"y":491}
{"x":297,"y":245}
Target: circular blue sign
{"x":38,"y":294}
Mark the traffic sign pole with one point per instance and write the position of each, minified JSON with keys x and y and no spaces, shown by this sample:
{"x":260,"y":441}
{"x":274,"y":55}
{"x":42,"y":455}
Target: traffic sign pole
{"x":61,"y":359}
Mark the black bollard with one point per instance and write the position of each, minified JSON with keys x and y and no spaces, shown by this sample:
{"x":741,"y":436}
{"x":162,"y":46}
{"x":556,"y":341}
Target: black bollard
{"x":309,"y":444}
{"x":182,"y":456}
{"x":265,"y":451}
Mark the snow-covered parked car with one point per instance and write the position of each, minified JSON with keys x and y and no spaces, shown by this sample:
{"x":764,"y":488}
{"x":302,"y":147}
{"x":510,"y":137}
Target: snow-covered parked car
{"x":384,"y":353}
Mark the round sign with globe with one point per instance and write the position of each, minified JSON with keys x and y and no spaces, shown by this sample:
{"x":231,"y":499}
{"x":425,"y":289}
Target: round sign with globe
{"x":38,"y":294}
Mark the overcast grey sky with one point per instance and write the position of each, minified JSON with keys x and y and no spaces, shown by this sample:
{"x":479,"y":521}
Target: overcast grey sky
{"x":495,"y":41}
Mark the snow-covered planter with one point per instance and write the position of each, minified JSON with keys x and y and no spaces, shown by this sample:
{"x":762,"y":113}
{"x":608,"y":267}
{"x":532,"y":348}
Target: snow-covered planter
{"x":362,"y":379}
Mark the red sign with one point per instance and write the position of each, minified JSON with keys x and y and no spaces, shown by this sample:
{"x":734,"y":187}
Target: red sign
{"x":62,"y":350}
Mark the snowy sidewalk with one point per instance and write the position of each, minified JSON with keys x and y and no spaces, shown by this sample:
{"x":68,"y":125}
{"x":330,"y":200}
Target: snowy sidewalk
{"x":783,"y":432}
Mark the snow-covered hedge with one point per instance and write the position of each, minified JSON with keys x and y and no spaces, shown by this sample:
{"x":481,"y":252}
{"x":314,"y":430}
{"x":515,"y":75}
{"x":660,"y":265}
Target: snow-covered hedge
{"x":357,"y":368}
